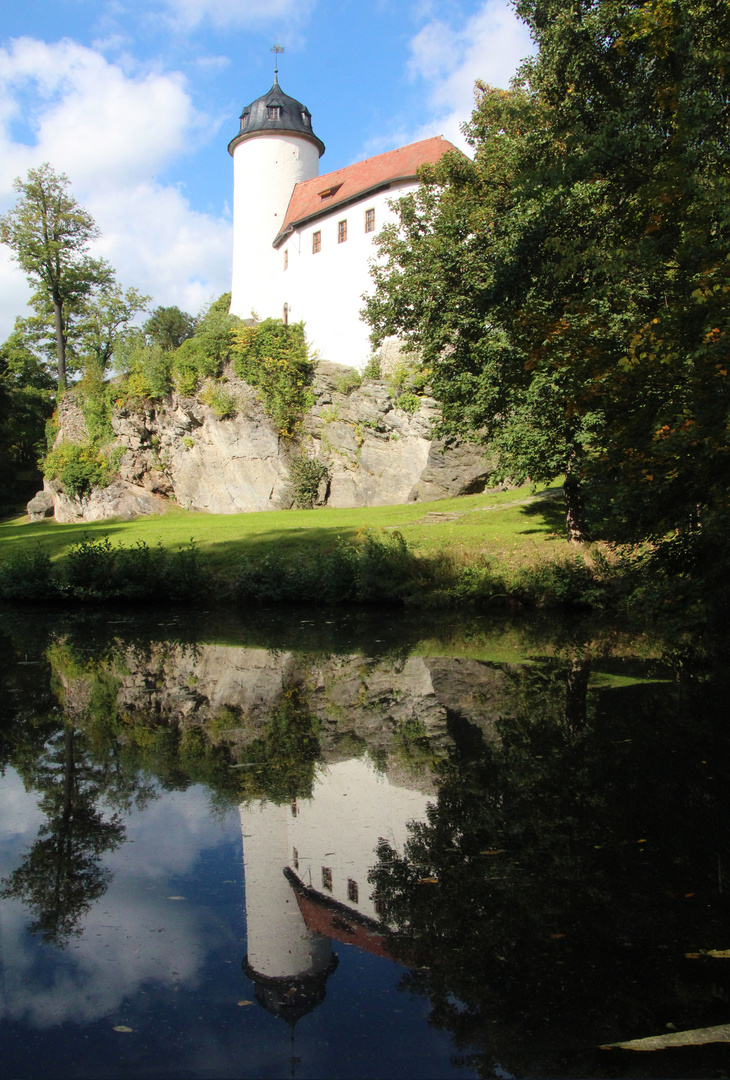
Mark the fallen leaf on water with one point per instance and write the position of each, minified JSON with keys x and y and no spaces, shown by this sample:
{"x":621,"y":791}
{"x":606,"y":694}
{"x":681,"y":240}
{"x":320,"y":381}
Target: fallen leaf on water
{"x":692,"y":956}
{"x":428,"y":881}
{"x":176,"y":898}
{"x":497,"y":851}
{"x":641,"y":841}
{"x":290,"y":993}
{"x":556,"y":936}
{"x":687,"y":895}
{"x":123,"y":1027}
{"x":719,"y":954}
{"x":245,"y":1002}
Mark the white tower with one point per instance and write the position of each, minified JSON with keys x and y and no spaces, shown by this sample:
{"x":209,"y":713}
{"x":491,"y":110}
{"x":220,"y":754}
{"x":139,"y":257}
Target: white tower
{"x":274,"y":150}
{"x":288,"y":963}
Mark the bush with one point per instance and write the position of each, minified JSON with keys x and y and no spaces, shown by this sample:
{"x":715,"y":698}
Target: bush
{"x":274,"y":360}
{"x":220,"y":400}
{"x":305,"y":476}
{"x":79,"y":467}
{"x":349,"y":382}
{"x":27,"y":575}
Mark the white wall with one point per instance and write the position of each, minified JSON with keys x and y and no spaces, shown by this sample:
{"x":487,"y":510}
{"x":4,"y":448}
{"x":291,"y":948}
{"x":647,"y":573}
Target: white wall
{"x":265,"y":170}
{"x":351,"y":808}
{"x":325,"y":290}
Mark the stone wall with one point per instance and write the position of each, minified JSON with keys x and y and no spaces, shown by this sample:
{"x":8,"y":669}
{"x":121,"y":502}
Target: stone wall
{"x":375,"y":453}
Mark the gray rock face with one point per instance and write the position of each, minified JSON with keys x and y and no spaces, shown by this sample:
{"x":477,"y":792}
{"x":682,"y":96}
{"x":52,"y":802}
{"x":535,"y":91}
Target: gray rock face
{"x":120,"y":500}
{"x":40,"y":506}
{"x":375,"y":453}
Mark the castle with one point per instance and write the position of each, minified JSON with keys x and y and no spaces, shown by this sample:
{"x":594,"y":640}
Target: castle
{"x":302,"y":242}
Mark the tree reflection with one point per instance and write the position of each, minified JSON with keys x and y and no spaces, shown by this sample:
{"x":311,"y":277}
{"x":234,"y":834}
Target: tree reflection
{"x":550,"y":899}
{"x":61,"y":876}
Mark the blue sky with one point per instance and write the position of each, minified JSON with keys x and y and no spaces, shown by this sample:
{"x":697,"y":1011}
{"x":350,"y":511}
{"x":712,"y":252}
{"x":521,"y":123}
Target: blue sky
{"x":136,"y":100}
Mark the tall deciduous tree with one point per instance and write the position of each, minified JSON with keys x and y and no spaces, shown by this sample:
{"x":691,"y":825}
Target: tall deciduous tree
{"x":569,"y":286}
{"x":49,"y":235}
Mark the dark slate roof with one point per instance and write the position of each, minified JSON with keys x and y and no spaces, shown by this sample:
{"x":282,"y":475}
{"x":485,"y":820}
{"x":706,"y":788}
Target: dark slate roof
{"x":293,"y":118}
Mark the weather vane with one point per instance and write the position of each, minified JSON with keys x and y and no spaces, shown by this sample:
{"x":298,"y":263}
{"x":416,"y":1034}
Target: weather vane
{"x":276,"y":49}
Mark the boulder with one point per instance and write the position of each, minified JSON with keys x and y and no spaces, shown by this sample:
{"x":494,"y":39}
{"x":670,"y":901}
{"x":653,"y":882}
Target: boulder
{"x":40,"y":506}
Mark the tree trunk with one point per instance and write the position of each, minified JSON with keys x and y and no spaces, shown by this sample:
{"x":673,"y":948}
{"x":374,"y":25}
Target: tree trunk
{"x":576,"y":528}
{"x":60,"y":343}
{"x":576,"y":694}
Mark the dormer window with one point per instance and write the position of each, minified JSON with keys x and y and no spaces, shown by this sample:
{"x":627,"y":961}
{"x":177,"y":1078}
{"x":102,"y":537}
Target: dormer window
{"x":273,"y":112}
{"x":244,"y":121}
{"x":306,"y":119}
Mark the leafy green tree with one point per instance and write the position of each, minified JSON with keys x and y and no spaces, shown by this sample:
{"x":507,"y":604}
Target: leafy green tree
{"x":168,"y":327}
{"x":25,"y":406}
{"x":102,"y":321}
{"x":568,"y":286}
{"x":49,"y":235}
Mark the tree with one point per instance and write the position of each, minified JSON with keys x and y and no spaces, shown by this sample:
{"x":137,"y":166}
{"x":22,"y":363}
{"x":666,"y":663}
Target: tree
{"x":168,"y":327}
{"x":568,"y":287}
{"x":25,"y":406}
{"x":102,"y":321}
{"x":49,"y":235}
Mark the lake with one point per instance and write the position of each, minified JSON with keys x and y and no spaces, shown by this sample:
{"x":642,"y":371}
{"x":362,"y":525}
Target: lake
{"x":361,"y":845}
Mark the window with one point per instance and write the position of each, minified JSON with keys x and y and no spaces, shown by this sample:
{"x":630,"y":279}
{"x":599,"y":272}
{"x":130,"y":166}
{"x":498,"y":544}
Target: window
{"x":306,"y":119}
{"x":370,"y":220}
{"x":273,"y":112}
{"x":352,"y":891}
{"x":327,"y":878}
{"x":341,"y":232}
{"x":379,"y":903}
{"x":294,"y":808}
{"x":316,"y":242}
{"x":285,"y":315}
{"x":295,"y":858}
{"x":286,"y":259}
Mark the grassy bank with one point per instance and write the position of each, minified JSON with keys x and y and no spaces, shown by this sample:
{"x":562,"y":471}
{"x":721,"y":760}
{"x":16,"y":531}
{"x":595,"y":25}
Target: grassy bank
{"x":494,"y":549}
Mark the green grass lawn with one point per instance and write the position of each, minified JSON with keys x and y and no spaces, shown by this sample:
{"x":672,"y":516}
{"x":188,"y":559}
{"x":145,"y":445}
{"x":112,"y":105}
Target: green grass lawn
{"x":513,"y":527}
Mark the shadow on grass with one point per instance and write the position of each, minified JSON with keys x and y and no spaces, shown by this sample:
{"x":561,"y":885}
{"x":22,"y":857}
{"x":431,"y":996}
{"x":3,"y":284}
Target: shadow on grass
{"x":547,"y":513}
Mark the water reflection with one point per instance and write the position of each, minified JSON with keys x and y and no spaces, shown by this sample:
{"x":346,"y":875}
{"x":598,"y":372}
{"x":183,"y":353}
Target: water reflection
{"x":530,"y":835}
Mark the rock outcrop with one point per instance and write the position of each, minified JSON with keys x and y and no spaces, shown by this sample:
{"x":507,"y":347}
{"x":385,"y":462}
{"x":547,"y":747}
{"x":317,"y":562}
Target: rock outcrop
{"x":375,"y":453}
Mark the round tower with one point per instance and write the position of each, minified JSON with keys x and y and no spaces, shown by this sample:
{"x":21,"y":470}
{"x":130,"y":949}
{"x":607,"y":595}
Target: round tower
{"x":274,"y":149}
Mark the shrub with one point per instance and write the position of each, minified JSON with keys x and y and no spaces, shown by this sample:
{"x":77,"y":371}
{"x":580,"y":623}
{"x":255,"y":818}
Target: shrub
{"x":372,"y":368}
{"x":409,"y":402}
{"x":79,"y":467}
{"x":349,"y":382}
{"x":305,"y":476}
{"x":220,"y":400}
{"x":274,"y":360}
{"x":27,"y":575}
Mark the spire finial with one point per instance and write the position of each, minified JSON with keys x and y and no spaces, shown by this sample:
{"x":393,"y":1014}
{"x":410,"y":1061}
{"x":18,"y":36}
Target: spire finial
{"x":277,"y":48}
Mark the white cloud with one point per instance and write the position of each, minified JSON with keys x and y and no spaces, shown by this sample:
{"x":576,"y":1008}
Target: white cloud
{"x":189,"y":13}
{"x":111,"y":132}
{"x":131,"y":937}
{"x":449,"y":59}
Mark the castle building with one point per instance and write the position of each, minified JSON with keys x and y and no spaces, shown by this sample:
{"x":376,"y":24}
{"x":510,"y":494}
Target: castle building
{"x":302,"y":242}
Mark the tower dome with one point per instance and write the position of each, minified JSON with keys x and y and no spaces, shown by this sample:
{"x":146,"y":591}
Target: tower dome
{"x":275,"y":112}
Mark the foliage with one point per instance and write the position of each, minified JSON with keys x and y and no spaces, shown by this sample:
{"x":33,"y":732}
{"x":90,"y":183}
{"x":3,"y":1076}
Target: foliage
{"x":49,"y":235}
{"x":305,"y":476}
{"x":169,"y":327}
{"x":25,"y":407}
{"x":567,"y":286}
{"x":221,"y":401}
{"x":345,"y":384}
{"x":79,"y":466}
{"x":151,"y":369}
{"x":100,"y":325}
{"x":544,"y":903}
{"x":285,"y":754}
{"x":273,"y":358}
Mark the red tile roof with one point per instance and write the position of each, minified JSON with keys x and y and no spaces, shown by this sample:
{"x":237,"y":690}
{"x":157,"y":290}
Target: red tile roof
{"x":357,"y":180}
